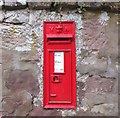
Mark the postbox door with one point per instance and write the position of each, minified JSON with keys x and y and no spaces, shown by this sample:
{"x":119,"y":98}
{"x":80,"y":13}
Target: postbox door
{"x":60,"y":77}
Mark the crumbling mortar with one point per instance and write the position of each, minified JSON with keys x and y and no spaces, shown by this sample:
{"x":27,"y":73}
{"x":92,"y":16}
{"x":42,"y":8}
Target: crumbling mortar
{"x":19,"y":23}
{"x":40,"y":75}
{"x":97,"y":104}
{"x":78,"y":99}
{"x":40,"y":82}
{"x":102,"y":76}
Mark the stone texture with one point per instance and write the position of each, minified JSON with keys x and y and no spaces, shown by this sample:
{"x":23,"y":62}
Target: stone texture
{"x":1,"y":114}
{"x":81,"y":92}
{"x":16,"y":17}
{"x":64,"y":5}
{"x":23,"y":2}
{"x":107,"y":109}
{"x":22,"y":49}
{"x":18,"y":37}
{"x":95,"y":39}
{"x":14,"y":4}
{"x":39,"y":111}
{"x":94,"y":99}
{"x":30,"y":56}
{"x":22,"y":80}
{"x":87,"y":4}
{"x":100,"y":84}
{"x":1,"y":3}
{"x":0,"y":87}
{"x":17,"y":104}
{"x":92,"y":65}
{"x":109,"y":5}
{"x":111,"y":48}
{"x":1,"y":16}
{"x":100,"y":45}
{"x":39,"y":5}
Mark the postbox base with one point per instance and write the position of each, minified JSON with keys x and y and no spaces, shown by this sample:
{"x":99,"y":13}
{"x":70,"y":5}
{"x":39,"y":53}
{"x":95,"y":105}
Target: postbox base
{"x":60,"y":106}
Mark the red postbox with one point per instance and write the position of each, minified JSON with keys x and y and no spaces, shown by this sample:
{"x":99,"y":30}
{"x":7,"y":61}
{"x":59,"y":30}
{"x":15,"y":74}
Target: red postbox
{"x":59,"y":65}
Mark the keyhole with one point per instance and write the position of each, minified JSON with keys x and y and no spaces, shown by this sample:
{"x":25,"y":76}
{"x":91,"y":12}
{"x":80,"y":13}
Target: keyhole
{"x":55,"y":78}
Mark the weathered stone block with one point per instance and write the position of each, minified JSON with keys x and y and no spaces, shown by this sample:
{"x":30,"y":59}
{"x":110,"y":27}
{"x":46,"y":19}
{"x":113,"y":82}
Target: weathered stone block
{"x":1,"y":4}
{"x":23,"y":2}
{"x":100,"y":84}
{"x":39,"y":111}
{"x":0,"y":57}
{"x":1,"y":114}
{"x":92,"y":65}
{"x":1,"y":16}
{"x":17,"y":104}
{"x":30,"y":56}
{"x":0,"y":87}
{"x":16,"y":17}
{"x":22,"y":80}
{"x":39,"y":5}
{"x":99,"y":4}
{"x":6,"y":60}
{"x":81,"y":92}
{"x":107,"y":109}
{"x":14,"y":4}
{"x":66,"y":5}
{"x":92,"y":99}
{"x":95,"y":38}
{"x":111,"y":48}
{"x":104,"y":34}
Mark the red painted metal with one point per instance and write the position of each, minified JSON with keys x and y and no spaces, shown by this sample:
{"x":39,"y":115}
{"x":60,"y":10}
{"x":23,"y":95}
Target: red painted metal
{"x":59,"y":65}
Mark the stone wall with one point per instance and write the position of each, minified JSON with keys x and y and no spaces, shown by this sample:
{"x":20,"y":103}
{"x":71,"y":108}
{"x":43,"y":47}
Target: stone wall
{"x":21,"y":31}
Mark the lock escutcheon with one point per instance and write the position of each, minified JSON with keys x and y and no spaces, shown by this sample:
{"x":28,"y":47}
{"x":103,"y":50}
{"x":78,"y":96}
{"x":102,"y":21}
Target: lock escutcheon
{"x":56,"y":79}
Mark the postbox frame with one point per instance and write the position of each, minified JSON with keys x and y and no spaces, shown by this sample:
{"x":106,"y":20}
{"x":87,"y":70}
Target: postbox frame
{"x":46,"y":93}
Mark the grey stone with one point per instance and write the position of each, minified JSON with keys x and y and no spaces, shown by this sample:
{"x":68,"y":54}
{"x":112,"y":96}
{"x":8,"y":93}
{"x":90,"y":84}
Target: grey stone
{"x":81,"y":92}
{"x":110,"y":50}
{"x":23,"y":2}
{"x":98,"y":4}
{"x":22,"y":80}
{"x":1,"y":4}
{"x":1,"y":114}
{"x":10,"y":3}
{"x":16,"y":17}
{"x":1,"y":16}
{"x":39,"y":111}
{"x":111,"y":72}
{"x":100,"y":84}
{"x":17,"y":104}
{"x":19,"y":56}
{"x":39,"y":5}
{"x":94,"y":39}
{"x":92,"y":65}
{"x":15,"y":4}
{"x":93,"y":99}
{"x":0,"y":87}
{"x":107,"y":109}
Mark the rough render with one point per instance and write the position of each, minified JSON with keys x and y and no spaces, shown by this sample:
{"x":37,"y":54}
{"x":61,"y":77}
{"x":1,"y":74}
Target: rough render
{"x":22,"y":62}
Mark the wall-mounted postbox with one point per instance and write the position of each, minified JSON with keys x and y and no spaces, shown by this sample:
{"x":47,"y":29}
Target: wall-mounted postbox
{"x":59,"y":65}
